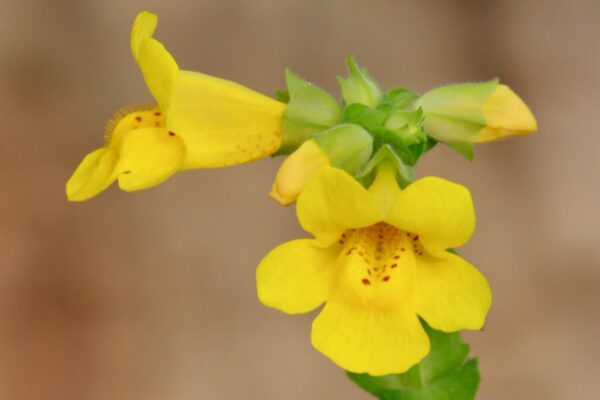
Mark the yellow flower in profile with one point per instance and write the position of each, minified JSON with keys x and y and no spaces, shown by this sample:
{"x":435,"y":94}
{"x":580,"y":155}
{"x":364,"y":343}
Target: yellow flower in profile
{"x":200,"y":122}
{"x":378,"y":261}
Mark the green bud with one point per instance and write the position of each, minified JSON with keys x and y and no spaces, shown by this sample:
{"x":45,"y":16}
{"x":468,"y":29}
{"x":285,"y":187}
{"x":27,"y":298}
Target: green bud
{"x":455,"y":113}
{"x":310,"y":110}
{"x":359,"y":87}
{"x":463,"y":114}
{"x":348,"y":146}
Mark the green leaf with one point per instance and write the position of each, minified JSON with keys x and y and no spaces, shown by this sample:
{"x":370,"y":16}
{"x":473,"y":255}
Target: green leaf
{"x":442,"y":375}
{"x":309,"y":110}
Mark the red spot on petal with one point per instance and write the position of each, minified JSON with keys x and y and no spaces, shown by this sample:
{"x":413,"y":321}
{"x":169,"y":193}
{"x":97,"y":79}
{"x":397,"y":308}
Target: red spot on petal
{"x":171,"y":134}
{"x":416,"y":237}
{"x":386,"y":278}
{"x":138,"y":118}
{"x":157,"y":113}
{"x":393,"y":266}
{"x":366,"y":282}
{"x":396,"y":257}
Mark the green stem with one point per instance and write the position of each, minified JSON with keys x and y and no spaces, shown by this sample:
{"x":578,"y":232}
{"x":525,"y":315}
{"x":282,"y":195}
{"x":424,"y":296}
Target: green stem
{"x":412,"y":377}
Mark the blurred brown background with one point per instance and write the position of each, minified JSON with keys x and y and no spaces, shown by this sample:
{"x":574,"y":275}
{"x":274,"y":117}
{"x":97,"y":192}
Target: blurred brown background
{"x":151,"y":295}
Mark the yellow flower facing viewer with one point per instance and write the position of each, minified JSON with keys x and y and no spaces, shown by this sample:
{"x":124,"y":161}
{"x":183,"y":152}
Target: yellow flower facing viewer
{"x":379,"y":262}
{"x":200,"y":122}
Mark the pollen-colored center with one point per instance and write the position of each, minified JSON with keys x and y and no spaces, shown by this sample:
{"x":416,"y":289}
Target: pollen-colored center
{"x":376,"y":260}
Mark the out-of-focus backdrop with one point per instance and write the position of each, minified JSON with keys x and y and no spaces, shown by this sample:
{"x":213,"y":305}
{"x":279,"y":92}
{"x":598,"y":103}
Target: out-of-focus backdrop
{"x":152,"y":295}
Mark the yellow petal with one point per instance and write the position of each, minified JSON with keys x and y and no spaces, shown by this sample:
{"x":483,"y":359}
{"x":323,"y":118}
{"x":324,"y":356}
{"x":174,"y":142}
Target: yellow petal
{"x":450,"y":294}
{"x":332,"y":202}
{"x":221,"y":122}
{"x":94,"y":174}
{"x":368,"y":340}
{"x":295,"y":277}
{"x":385,"y":187}
{"x":159,"y":69}
{"x":297,"y":170}
{"x":143,"y":28}
{"x":439,"y":211}
{"x":506,"y":115}
{"x":157,"y":65}
{"x":148,"y":156}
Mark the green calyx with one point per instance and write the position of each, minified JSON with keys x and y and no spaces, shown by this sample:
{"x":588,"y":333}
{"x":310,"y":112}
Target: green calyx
{"x":359,"y":87}
{"x":309,"y":110}
{"x":394,"y":129}
{"x":348,"y":146}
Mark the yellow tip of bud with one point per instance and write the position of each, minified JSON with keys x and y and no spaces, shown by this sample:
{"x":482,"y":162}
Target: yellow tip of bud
{"x":296,"y":171}
{"x":505,"y":115}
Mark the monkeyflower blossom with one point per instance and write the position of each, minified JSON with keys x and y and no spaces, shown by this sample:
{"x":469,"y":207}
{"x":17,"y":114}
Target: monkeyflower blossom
{"x":379,"y":262}
{"x":200,"y":121}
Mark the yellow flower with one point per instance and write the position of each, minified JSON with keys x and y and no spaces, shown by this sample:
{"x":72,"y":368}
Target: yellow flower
{"x":379,"y":262}
{"x":200,"y":122}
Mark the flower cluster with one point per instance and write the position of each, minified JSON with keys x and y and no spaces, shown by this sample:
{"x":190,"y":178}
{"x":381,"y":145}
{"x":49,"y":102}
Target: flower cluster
{"x":382,"y":258}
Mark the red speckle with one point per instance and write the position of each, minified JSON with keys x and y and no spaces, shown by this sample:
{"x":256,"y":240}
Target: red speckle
{"x":350,"y":251}
{"x":393,"y":266}
{"x":386,"y":278}
{"x":396,"y":257}
{"x":138,"y":118}
{"x":402,"y":249}
{"x":366,"y":282}
{"x":171,"y":134}
{"x":416,"y":237}
{"x":157,"y":113}
{"x":369,"y":271}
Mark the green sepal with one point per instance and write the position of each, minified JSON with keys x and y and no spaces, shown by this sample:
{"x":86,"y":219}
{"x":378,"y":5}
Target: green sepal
{"x":442,"y":375}
{"x":282,"y":96}
{"x":359,"y":87}
{"x":310,"y":110}
{"x":397,"y":99}
{"x":368,"y":118}
{"x":348,"y":146}
{"x":464,"y":148}
{"x":385,"y":154}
